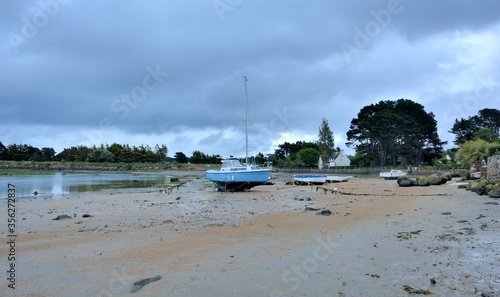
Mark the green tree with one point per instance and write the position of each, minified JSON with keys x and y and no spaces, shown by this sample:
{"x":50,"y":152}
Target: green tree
{"x":21,"y":152}
{"x":286,"y":149}
{"x":47,"y":154}
{"x":161,"y":153}
{"x":180,"y":157}
{"x":395,"y":131}
{"x":3,"y":151}
{"x":100,"y":155}
{"x":326,"y":143}
{"x":260,"y":158}
{"x":486,"y":134}
{"x":74,"y":154}
{"x":198,"y":158}
{"x":309,"y":157}
{"x":476,"y":152}
{"x":464,"y":129}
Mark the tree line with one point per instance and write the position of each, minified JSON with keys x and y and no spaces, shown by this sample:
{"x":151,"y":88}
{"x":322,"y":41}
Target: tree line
{"x":400,"y":133}
{"x":114,"y":153}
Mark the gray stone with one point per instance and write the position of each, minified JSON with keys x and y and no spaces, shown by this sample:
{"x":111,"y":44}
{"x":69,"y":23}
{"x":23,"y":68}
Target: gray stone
{"x":141,"y":283}
{"x":406,"y":183}
{"x":61,"y":217}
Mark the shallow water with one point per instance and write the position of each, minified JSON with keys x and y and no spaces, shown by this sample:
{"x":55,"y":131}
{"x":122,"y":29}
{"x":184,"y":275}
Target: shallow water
{"x":58,"y":185}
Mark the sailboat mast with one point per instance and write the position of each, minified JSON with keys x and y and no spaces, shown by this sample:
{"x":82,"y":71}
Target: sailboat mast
{"x":246,"y":120}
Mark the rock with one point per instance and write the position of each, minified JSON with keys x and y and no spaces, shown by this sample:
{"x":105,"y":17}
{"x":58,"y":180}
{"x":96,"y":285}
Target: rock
{"x":308,"y":208}
{"x":174,"y":179}
{"x":472,"y":186}
{"x":61,"y":217}
{"x":491,"y":203}
{"x":141,"y":283}
{"x":86,"y":215}
{"x":447,"y":176}
{"x":406,"y":183}
{"x":495,"y":191}
{"x":435,"y":180}
{"x":412,"y":290}
{"x":402,"y":178}
{"x":325,"y":212}
{"x":423,"y":181}
{"x":446,"y":213}
{"x":481,"y":188}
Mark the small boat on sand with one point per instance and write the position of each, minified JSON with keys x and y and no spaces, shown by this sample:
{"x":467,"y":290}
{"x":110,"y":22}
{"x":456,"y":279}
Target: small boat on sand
{"x":393,"y":174}
{"x":337,"y":179}
{"x":475,"y":175}
{"x":311,"y":179}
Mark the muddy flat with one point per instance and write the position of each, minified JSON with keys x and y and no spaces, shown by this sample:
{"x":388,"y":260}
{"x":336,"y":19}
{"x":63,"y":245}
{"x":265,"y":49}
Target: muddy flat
{"x":279,"y":240}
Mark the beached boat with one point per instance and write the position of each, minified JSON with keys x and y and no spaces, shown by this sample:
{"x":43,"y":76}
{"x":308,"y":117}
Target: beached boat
{"x":475,"y":175}
{"x":393,"y":174}
{"x":337,"y":179}
{"x":313,"y":179}
{"x":233,"y":176}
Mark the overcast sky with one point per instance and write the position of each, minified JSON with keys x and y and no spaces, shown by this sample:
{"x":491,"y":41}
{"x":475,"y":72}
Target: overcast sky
{"x":170,"y":72}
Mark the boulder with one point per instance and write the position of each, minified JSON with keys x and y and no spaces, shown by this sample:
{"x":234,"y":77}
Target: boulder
{"x":325,"y":212}
{"x":405,"y":183}
{"x":447,"y":176}
{"x":472,"y":186}
{"x":495,"y":191}
{"x":435,"y":180}
{"x":481,"y":186}
{"x":62,"y":217}
{"x":423,"y":181}
{"x":402,"y":178}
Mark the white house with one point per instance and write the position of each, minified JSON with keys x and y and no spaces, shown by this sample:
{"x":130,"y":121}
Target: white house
{"x":340,"y":159}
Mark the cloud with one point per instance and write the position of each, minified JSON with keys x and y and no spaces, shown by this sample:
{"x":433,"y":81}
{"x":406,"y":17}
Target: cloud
{"x":86,"y":75}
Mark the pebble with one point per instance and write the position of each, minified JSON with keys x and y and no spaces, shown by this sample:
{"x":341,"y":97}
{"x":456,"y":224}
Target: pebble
{"x":491,"y":203}
{"x":325,"y":212}
{"x":141,"y":283}
{"x":446,"y":213}
{"x":61,"y":217}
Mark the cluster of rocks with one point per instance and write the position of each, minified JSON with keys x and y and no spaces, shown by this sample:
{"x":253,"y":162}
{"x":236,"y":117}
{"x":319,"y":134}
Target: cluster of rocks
{"x":484,"y":187}
{"x":424,"y":181}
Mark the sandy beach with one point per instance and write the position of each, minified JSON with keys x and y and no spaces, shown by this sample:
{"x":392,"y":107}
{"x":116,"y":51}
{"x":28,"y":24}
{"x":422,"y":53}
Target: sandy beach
{"x":380,"y":240}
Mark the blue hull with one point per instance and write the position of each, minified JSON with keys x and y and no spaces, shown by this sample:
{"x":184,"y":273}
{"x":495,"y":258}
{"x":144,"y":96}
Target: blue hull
{"x":238,"y":180}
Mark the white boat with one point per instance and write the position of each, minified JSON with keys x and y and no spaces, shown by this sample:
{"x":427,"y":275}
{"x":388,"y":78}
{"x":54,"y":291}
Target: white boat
{"x":393,"y":174}
{"x":475,"y":175}
{"x":337,"y":179}
{"x":233,"y":176}
{"x":311,"y":179}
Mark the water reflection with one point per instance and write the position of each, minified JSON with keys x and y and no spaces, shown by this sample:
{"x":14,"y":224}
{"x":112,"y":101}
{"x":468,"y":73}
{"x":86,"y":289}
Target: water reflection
{"x":62,"y":185}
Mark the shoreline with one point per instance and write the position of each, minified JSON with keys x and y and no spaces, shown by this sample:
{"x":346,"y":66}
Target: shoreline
{"x":262,"y":242}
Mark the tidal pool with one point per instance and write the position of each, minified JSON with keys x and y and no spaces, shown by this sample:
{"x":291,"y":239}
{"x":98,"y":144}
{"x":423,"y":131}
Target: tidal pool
{"x":63,"y":185}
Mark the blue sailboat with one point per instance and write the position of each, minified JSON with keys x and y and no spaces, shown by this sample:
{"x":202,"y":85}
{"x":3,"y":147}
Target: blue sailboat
{"x":233,"y":176}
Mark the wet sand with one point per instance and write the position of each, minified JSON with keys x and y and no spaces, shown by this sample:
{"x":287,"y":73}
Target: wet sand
{"x":379,"y":238}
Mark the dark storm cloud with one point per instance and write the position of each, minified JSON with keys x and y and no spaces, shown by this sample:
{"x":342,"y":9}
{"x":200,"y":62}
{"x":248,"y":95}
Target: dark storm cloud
{"x":172,"y":70}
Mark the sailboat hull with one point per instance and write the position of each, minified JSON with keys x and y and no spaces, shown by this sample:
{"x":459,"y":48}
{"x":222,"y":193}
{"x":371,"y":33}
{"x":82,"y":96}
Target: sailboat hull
{"x":241,"y":180}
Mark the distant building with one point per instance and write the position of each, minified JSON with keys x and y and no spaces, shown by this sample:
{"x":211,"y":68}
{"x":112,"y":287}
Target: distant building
{"x":340,"y":159}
